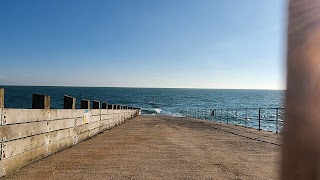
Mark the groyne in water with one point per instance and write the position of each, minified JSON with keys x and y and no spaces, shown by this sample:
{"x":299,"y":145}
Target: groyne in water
{"x":27,"y":135}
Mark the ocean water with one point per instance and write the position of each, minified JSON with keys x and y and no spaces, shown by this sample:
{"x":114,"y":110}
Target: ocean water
{"x":151,"y":100}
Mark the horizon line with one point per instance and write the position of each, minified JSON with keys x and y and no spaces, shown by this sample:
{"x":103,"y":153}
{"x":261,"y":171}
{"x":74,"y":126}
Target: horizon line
{"x":145,"y":87}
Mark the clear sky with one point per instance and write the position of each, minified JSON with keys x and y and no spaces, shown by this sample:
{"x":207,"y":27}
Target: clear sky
{"x":143,"y":43}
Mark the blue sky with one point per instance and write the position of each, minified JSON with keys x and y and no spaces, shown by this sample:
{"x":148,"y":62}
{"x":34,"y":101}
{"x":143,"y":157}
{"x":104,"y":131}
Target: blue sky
{"x":151,"y":43}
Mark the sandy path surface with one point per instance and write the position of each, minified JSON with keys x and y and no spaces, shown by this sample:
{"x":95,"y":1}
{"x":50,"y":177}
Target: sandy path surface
{"x":162,"y":147}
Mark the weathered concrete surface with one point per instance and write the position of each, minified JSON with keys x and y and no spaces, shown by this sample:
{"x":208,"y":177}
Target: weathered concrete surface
{"x":161,"y":147}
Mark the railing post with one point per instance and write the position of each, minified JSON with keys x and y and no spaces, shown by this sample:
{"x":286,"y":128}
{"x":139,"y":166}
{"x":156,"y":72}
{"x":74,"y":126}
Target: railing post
{"x":69,"y":102}
{"x":227,"y":118}
{"x":85,"y":104}
{"x":201,"y":114}
{"x":259,"y":119}
{"x":277,"y":111}
{"x":246,"y":117}
{"x":40,"y":101}
{"x":207,"y":115}
{"x":204,"y":114}
{"x":196,"y":115}
{"x":236,"y":118}
{"x":193,"y":113}
{"x":1,"y":97}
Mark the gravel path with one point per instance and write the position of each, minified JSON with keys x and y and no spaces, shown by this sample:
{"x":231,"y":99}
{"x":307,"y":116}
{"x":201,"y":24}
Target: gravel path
{"x":163,"y":147}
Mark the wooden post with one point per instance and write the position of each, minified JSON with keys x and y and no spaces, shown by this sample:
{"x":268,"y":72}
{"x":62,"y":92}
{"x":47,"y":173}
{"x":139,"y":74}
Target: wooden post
{"x":69,"y":102}
{"x":40,"y":101}
{"x":95,"y":104}
{"x":104,"y":106}
{"x":1,"y":97}
{"x":301,"y":148}
{"x":85,"y":104}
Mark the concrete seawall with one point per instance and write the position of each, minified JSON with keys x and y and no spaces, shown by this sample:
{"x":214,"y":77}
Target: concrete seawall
{"x":27,"y":135}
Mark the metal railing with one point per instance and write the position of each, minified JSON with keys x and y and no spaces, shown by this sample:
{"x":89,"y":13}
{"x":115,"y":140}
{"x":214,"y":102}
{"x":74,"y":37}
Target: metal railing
{"x":269,"y":119}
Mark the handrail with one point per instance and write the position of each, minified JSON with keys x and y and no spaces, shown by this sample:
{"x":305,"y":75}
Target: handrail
{"x":263,"y":118}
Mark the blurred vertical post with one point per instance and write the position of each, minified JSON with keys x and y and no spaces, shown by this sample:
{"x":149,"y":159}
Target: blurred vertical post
{"x":301,"y":149}
{"x":1,"y":98}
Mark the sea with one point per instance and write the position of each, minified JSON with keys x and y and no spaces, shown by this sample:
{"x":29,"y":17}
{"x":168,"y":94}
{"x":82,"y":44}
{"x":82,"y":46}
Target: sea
{"x":152,"y":101}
